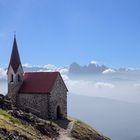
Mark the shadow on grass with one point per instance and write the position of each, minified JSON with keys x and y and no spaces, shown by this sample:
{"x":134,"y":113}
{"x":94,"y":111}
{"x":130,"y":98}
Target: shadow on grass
{"x":63,"y":123}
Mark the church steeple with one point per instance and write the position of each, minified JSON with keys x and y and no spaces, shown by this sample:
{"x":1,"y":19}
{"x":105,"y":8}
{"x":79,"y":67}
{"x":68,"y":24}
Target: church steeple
{"x":15,"y":59}
{"x":14,"y":73}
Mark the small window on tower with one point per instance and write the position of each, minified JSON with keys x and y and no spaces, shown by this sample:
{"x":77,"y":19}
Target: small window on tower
{"x":18,"y":78}
{"x":12,"y":78}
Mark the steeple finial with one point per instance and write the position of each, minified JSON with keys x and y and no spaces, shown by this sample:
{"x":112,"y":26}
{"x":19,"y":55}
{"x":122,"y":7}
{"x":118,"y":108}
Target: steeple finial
{"x":14,"y":34}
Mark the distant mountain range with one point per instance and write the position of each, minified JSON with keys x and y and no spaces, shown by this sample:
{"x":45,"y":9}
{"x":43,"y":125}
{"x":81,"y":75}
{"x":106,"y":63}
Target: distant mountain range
{"x":74,"y":69}
{"x":94,"y":68}
{"x":91,"y":68}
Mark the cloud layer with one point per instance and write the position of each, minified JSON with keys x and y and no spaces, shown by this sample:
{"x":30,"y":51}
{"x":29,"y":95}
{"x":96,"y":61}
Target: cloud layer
{"x":2,"y":73}
{"x":108,"y":71}
{"x":104,"y":85}
{"x":116,"y":84}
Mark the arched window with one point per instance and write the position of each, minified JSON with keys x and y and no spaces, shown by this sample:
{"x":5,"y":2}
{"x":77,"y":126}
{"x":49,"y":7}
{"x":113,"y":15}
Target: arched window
{"x":12,"y":78}
{"x":19,"y":78}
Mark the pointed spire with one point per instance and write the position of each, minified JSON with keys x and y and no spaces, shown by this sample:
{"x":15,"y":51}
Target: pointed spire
{"x":14,"y":35}
{"x":15,"y":59}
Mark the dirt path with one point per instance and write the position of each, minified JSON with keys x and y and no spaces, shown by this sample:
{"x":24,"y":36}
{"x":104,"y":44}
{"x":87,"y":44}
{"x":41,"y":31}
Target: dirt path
{"x":65,"y":134}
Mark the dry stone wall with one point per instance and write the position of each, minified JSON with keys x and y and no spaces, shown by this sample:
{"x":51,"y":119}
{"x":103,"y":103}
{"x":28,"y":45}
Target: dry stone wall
{"x":34,"y":103}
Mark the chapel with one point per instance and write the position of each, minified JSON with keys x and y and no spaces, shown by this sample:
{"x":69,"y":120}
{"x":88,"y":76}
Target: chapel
{"x":41,"y":93}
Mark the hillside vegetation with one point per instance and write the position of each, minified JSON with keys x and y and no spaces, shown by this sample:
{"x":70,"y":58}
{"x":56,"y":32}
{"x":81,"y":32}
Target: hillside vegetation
{"x":12,"y":128}
{"x":18,"y":125}
{"x":82,"y":131}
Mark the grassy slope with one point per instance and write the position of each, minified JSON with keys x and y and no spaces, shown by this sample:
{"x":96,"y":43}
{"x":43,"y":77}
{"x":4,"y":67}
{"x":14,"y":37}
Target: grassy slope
{"x":83,"y":131}
{"x":79,"y":130}
{"x":12,"y":124}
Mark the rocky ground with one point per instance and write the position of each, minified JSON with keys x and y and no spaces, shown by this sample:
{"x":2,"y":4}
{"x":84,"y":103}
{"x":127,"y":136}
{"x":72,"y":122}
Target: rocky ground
{"x":18,"y":125}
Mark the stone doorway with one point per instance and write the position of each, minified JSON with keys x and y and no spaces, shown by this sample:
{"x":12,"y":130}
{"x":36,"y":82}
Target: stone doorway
{"x":58,"y":113}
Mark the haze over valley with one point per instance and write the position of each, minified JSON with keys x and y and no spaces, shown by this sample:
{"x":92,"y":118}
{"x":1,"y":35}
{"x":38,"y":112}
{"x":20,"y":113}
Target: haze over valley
{"x":107,"y":98}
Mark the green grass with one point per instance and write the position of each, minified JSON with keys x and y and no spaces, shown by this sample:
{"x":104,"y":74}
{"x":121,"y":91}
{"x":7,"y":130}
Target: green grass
{"x":83,"y":131}
{"x":9,"y":117}
{"x":10,"y":123}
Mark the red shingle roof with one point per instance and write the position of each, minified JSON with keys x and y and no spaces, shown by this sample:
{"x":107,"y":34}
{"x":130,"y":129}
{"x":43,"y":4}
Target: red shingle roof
{"x":38,"y":82}
{"x":15,"y":59}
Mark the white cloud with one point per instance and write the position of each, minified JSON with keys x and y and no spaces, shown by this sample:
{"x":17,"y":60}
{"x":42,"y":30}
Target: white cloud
{"x":103,"y":85}
{"x":64,"y":71}
{"x":65,"y":77}
{"x":47,"y":68}
{"x":137,"y":85}
{"x":43,"y":70}
{"x":79,"y":83}
{"x":93,"y":62}
{"x":50,"y":67}
{"x":2,"y":73}
{"x":108,"y":71}
{"x":27,"y":65}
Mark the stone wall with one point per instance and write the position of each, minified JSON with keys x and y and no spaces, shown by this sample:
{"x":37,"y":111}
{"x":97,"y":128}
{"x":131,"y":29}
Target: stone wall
{"x":34,"y":103}
{"x":14,"y":86}
{"x":58,"y":98}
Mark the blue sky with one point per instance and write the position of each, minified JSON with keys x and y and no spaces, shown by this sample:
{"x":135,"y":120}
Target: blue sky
{"x":60,"y":32}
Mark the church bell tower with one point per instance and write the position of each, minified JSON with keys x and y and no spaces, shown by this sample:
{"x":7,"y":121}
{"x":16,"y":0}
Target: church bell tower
{"x":14,"y":73}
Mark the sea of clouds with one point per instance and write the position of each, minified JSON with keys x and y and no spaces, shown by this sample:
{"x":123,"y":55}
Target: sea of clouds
{"x":108,"y":99}
{"x":110,"y":83}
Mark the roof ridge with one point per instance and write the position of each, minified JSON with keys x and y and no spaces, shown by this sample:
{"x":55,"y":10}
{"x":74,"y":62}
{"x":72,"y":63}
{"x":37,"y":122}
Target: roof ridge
{"x":43,"y":72}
